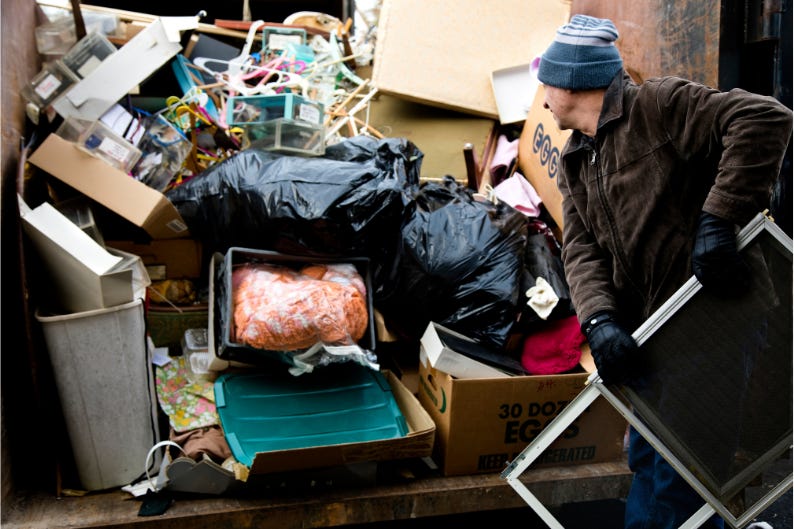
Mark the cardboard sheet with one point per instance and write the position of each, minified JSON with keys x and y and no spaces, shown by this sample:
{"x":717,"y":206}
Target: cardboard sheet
{"x":442,"y":53}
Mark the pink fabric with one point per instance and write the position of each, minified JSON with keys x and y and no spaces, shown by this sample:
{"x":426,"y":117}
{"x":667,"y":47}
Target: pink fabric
{"x":504,"y":155}
{"x":519,"y":193}
{"x":554,"y":349}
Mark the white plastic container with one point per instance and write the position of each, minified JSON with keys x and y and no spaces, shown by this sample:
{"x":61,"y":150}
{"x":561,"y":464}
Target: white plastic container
{"x":106,"y":387}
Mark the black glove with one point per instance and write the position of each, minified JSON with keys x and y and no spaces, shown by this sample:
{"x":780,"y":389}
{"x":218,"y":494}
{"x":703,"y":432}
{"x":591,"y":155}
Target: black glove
{"x":615,"y":352}
{"x":716,"y":262}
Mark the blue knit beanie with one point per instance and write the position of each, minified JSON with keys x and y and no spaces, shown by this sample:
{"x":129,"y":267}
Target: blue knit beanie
{"x":582,"y":56}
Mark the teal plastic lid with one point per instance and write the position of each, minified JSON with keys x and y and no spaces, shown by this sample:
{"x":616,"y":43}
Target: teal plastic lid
{"x":336,"y":404}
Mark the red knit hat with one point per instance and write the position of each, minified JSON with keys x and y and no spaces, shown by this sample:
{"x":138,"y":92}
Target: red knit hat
{"x":553,"y":349}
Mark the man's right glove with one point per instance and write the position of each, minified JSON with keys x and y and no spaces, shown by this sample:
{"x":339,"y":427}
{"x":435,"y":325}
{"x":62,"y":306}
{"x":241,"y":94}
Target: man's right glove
{"x":716,"y":262}
{"x":615,"y":352}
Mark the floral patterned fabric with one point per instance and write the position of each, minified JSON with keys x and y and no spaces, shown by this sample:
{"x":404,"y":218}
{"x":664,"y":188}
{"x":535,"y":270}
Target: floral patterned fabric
{"x":188,"y":404}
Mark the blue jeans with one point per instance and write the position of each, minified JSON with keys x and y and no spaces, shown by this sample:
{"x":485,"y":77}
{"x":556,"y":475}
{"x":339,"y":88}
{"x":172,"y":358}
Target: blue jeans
{"x":659,"y":498}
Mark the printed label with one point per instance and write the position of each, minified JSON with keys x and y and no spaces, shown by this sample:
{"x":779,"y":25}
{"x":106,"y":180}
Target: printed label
{"x":114,"y":150}
{"x":48,"y":86}
{"x":309,"y":113}
{"x":548,"y":155}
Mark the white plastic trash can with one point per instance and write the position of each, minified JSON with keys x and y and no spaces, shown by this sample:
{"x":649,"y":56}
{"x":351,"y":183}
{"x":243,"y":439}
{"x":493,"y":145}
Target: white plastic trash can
{"x":105,"y":382}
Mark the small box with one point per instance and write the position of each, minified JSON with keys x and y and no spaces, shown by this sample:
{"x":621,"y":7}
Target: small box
{"x":56,"y":37}
{"x":484,"y":423}
{"x":276,"y":38}
{"x":181,"y":258}
{"x":49,"y":84}
{"x":167,"y":325}
{"x":223,"y":347}
{"x":248,"y":110}
{"x":195,"y":349}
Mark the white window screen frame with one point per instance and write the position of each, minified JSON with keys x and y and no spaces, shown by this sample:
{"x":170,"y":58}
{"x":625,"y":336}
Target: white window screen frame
{"x":595,"y":388}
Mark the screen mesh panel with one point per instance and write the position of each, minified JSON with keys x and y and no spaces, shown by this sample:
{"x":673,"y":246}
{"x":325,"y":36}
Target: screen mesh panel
{"x":719,"y":389}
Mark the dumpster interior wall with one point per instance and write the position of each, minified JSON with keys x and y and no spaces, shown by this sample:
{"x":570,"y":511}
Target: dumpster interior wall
{"x":726,"y":43}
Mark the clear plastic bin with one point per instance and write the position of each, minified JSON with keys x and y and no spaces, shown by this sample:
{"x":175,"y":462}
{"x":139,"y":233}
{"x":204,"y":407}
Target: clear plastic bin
{"x":49,"y":84}
{"x":88,"y":53}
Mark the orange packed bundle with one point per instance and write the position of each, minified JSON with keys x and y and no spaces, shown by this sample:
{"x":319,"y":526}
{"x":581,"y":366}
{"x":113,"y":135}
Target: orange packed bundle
{"x":282,"y":309}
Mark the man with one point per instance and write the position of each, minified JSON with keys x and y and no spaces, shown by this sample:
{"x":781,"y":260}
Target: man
{"x":655,"y":180}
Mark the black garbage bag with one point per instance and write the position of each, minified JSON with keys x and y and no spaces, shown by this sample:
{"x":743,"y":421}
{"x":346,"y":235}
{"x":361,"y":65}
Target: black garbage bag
{"x":349,"y":201}
{"x":542,"y":259}
{"x":459,"y":265}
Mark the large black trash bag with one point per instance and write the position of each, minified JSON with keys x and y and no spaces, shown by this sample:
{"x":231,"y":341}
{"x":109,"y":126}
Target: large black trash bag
{"x":459,"y":265}
{"x":347,"y":202}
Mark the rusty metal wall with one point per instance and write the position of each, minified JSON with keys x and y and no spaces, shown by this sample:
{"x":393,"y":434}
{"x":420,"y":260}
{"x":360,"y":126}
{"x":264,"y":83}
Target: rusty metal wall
{"x":19,"y":64}
{"x":664,"y":37}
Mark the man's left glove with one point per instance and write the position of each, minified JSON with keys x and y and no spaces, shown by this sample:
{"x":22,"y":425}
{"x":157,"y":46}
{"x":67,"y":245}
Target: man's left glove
{"x":716,"y":262}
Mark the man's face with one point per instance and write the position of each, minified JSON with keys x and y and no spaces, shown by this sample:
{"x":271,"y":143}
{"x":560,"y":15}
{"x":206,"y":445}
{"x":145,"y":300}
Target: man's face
{"x":561,"y":103}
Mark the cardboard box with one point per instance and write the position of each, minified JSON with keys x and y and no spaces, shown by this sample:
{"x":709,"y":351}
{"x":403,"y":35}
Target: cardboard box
{"x":114,"y":189}
{"x":177,"y":258}
{"x":483,"y":424}
{"x":417,"y":443}
{"x":539,"y":149}
{"x":442,"y":53}
{"x":84,"y":275}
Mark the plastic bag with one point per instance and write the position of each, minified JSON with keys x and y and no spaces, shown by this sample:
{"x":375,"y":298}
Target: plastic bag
{"x":459,"y":265}
{"x":347,"y":202}
{"x":542,"y":259}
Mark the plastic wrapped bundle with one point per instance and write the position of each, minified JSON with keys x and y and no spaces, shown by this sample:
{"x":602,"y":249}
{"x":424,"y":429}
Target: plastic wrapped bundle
{"x":283,"y":309}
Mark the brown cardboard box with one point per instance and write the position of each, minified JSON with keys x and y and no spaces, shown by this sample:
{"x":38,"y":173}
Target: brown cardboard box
{"x":539,"y":149}
{"x":177,"y":258}
{"x":135,"y":201}
{"x":443,"y":52}
{"x":483,"y":424}
{"x":417,"y":443}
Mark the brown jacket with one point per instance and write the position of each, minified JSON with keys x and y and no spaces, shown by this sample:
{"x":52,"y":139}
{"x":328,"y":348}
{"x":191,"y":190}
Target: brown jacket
{"x":663,"y":151}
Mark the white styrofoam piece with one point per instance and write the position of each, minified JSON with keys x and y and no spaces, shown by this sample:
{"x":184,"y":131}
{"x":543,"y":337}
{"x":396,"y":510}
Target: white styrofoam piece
{"x":121,"y":72}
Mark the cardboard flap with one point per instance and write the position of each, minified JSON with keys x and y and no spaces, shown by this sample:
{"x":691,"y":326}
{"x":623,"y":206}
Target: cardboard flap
{"x":140,"y":204}
{"x":443,"y":52}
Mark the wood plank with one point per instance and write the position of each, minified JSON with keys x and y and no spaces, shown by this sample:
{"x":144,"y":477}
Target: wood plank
{"x":305,"y":508}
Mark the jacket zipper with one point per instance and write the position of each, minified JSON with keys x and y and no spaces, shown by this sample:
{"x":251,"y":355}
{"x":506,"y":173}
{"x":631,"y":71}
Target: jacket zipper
{"x":611,"y":219}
